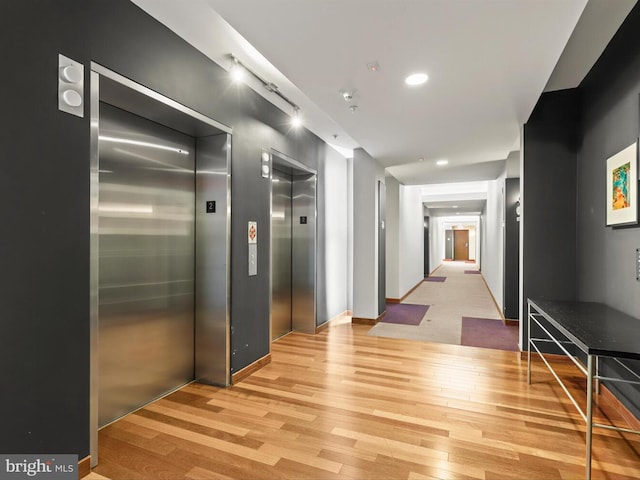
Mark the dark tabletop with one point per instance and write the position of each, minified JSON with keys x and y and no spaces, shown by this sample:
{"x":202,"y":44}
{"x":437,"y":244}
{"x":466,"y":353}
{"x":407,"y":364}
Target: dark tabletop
{"x":594,"y":327}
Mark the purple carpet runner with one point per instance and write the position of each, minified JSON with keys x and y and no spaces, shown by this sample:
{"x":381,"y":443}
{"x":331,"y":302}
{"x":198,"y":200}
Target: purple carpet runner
{"x":404,"y":313}
{"x":489,"y":333}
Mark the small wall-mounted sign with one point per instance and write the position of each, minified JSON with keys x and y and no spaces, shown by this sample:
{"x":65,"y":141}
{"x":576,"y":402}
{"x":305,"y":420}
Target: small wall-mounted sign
{"x":211,"y":206}
{"x":303,"y":220}
{"x":252,"y":232}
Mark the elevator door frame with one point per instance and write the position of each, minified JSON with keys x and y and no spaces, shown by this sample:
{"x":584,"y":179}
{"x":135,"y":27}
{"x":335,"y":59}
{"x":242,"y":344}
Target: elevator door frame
{"x":293,"y":167}
{"x":212,"y":324}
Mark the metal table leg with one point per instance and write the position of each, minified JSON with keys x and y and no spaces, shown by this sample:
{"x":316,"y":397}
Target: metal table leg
{"x":529,"y":344}
{"x":587,"y":460}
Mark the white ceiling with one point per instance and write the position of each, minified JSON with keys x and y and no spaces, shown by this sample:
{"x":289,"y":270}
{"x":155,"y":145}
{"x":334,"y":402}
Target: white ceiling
{"x":488,"y":62}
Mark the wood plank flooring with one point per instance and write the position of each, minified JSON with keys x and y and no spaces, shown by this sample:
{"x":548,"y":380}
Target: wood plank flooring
{"x":344,"y":405}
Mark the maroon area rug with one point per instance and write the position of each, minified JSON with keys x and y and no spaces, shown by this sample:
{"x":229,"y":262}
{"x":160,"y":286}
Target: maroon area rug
{"x":472,"y":271}
{"x":435,"y":279}
{"x":404,"y":313}
{"x":489,"y":333}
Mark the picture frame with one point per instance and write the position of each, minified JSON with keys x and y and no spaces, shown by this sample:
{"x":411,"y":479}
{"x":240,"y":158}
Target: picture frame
{"x":622,"y":187}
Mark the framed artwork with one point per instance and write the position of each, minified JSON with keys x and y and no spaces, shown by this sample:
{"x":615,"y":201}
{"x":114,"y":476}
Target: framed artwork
{"x":622,"y":187}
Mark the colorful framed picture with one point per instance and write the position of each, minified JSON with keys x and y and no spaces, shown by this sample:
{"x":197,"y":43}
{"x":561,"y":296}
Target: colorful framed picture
{"x":622,"y":187}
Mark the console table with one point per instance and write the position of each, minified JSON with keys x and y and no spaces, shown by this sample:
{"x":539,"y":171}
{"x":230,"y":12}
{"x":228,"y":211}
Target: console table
{"x":597,"y":331}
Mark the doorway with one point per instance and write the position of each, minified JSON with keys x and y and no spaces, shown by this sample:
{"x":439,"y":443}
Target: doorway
{"x":426,"y":240}
{"x":461,"y":244}
{"x":293,"y":246}
{"x":159,"y":315}
{"x":281,"y":230}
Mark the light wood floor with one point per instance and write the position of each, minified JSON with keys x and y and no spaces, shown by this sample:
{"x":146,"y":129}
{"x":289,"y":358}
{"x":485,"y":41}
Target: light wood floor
{"x":344,"y":405}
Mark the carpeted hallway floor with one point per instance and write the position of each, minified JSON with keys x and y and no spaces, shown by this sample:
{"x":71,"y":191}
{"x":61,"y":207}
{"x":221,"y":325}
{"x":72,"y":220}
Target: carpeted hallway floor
{"x":454,"y":306}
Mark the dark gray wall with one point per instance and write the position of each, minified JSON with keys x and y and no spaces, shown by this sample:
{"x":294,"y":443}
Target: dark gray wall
{"x":511,"y":297}
{"x":426,"y":247}
{"x":549,"y":199}
{"x":44,"y":245}
{"x":610,"y":122}
{"x":562,"y":173}
{"x":44,"y":202}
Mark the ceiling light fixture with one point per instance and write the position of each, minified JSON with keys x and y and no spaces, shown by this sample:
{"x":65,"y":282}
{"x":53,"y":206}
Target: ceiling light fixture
{"x":270,"y":86}
{"x":374,"y":67}
{"x":442,"y":162}
{"x":296,"y":121}
{"x":348,"y":95}
{"x":416,"y":79}
{"x":237,"y":72}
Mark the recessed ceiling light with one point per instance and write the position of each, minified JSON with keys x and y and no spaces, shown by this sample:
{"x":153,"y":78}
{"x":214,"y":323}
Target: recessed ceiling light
{"x":454,"y":206}
{"x":416,"y":79}
{"x":442,"y":162}
{"x":374,"y":67}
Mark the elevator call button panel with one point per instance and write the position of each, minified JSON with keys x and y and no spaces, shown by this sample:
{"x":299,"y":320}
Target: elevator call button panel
{"x":252,"y":238}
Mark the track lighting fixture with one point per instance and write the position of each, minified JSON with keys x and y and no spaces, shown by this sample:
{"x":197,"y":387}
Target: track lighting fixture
{"x":238,"y":69}
{"x":296,"y":121}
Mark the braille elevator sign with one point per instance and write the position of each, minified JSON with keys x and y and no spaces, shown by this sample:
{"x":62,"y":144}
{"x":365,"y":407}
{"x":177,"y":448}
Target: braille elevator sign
{"x":211,"y":206}
{"x":303,"y":220}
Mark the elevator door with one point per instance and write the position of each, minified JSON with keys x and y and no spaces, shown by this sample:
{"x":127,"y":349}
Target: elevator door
{"x":146,"y":262}
{"x":281,"y":229}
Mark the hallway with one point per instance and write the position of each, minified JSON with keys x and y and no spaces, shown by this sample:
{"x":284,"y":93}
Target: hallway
{"x":346,"y":405}
{"x":452,"y":306}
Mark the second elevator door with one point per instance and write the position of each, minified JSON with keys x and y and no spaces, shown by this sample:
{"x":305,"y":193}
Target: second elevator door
{"x":281,"y":308}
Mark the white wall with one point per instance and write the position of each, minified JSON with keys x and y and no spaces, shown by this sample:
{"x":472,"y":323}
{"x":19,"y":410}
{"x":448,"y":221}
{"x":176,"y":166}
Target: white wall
{"x":473,"y":243}
{"x":436,"y":242}
{"x":366,"y":173}
{"x":493,"y":240}
{"x":332,"y":237}
{"x":513,"y":164}
{"x":411,"y":239}
{"x":404,"y":238}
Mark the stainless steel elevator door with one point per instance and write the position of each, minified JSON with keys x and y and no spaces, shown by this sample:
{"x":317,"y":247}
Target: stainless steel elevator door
{"x":146,"y":261}
{"x":280,"y":254}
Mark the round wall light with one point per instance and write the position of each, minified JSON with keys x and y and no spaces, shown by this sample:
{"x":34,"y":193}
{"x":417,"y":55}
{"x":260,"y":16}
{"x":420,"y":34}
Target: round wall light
{"x":72,"y":98}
